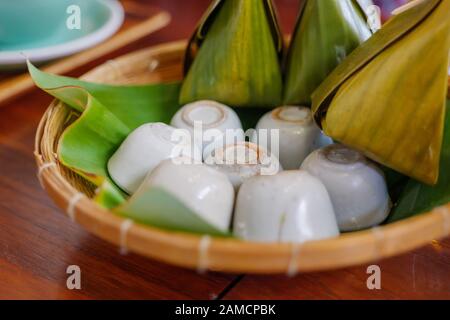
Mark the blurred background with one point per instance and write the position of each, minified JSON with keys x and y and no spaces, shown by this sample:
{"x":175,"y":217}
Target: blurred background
{"x":54,"y":23}
{"x":70,"y":35}
{"x":187,"y":12}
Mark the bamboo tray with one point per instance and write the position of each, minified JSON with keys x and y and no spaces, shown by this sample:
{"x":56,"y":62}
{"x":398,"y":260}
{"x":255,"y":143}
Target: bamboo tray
{"x":72,"y":194}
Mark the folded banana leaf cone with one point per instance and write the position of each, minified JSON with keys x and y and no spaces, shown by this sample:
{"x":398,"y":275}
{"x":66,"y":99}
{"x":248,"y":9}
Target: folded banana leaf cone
{"x":234,"y":56}
{"x":326,"y":32}
{"x":387,"y":99}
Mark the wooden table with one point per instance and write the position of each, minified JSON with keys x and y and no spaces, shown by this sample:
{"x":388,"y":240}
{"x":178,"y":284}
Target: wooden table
{"x":38,"y":243}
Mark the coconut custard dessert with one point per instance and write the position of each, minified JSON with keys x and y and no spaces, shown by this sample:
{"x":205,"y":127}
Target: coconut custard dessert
{"x":298,"y":134}
{"x":292,"y":206}
{"x":143,"y":150}
{"x":210,"y":123}
{"x":204,"y":190}
{"x":357,"y":187}
{"x":243,"y":160}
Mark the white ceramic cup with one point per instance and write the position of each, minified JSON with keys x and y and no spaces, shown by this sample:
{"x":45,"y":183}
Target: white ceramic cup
{"x":211,"y":124}
{"x":292,"y":206}
{"x":204,"y":190}
{"x":298,"y":135}
{"x":243,"y":160}
{"x":357,"y":187}
{"x":144,"y":149}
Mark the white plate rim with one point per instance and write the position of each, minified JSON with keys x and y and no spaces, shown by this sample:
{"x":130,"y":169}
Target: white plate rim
{"x":44,"y":54}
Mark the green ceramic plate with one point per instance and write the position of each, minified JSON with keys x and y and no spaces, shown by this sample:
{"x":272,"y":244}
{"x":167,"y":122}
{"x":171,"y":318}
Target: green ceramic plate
{"x":44,"y":30}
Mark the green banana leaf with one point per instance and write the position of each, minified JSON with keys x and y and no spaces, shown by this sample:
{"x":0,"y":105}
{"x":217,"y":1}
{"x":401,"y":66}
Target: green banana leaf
{"x":108,"y":114}
{"x":133,"y":105}
{"x":234,"y":56}
{"x":108,"y":195}
{"x":88,"y":143}
{"x":158,"y":208}
{"x":387,"y":99}
{"x":207,"y":20}
{"x":396,"y":183}
{"x":326,"y":32}
{"x":417,"y":197}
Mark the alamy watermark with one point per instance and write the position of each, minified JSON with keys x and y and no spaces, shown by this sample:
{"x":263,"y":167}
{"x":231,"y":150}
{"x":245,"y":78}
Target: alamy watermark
{"x":73,"y":281}
{"x":73,"y":21}
{"x":374,"y":280}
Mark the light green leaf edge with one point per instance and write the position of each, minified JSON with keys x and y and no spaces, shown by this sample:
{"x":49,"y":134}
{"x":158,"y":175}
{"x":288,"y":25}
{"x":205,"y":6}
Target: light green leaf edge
{"x":157,"y":207}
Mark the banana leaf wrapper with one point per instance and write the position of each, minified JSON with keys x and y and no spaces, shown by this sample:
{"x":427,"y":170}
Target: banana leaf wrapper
{"x":418,"y":197}
{"x":234,"y":56}
{"x":387,"y":99}
{"x":326,"y":33}
{"x":104,"y":116}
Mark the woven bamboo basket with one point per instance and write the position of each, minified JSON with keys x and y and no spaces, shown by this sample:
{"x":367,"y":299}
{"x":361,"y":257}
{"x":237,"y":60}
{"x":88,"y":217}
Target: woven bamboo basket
{"x":72,"y":194}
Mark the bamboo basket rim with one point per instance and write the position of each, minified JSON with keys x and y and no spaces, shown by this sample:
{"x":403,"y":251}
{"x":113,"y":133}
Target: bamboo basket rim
{"x":216,"y":254}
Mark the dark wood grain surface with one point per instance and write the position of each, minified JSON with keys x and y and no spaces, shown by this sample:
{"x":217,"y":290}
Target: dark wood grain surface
{"x":38,"y":243}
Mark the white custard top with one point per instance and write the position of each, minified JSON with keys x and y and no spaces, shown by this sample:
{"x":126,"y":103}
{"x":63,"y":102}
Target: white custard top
{"x":209,"y":113}
{"x":340,"y":154}
{"x":299,"y":115}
